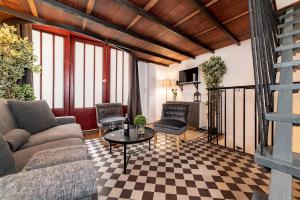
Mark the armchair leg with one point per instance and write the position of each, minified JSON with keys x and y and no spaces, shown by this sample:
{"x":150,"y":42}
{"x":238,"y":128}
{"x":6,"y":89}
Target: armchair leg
{"x":185,"y":136}
{"x":155,"y":138}
{"x":178,"y":143}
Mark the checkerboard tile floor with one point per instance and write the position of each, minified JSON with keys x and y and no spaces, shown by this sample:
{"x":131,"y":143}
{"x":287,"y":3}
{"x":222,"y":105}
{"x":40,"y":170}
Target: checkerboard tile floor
{"x":199,"y":171}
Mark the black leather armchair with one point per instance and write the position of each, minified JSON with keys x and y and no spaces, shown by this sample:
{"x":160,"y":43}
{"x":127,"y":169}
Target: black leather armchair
{"x":107,"y":113}
{"x":173,"y":121}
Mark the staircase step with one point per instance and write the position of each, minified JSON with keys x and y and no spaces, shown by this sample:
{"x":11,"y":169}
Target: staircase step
{"x":292,"y":118}
{"x":267,"y":160}
{"x":293,"y":63}
{"x":285,"y":24}
{"x":295,"y":86}
{"x":297,"y":11}
{"x":288,"y":34}
{"x":288,"y":47}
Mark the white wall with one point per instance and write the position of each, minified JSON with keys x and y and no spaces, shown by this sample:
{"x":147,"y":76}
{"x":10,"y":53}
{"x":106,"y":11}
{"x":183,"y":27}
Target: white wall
{"x":283,"y":3}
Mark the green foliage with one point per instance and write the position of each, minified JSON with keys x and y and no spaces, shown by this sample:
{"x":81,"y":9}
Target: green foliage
{"x":213,"y":71}
{"x":140,"y":120}
{"x":16,"y":55}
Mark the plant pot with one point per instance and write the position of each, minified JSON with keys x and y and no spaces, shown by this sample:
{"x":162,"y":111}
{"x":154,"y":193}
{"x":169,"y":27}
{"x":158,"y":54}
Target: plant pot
{"x":140,"y":129}
{"x":174,"y":98}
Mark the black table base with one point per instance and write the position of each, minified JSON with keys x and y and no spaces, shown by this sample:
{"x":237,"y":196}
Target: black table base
{"x":126,"y":158}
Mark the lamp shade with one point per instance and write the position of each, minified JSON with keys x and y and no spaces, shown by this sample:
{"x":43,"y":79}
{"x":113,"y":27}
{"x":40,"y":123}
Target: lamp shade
{"x":166,"y":83}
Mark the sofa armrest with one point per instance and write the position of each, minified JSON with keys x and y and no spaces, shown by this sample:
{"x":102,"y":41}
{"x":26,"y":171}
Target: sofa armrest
{"x":65,"y":120}
{"x":57,"y":156}
{"x":74,"y":180}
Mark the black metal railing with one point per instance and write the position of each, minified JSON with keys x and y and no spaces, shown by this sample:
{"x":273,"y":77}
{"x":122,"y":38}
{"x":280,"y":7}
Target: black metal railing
{"x":232,"y":118}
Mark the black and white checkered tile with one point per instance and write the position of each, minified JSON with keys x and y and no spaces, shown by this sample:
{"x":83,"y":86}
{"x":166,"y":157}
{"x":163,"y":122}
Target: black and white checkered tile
{"x":199,"y":171}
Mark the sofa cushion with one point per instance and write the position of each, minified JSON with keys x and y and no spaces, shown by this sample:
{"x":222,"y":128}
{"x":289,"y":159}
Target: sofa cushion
{"x":54,"y":134}
{"x":7,"y":120}
{"x":33,"y":116}
{"x":170,"y":123}
{"x":7,"y":163}
{"x":23,"y":156}
{"x":57,"y":156}
{"x":16,"y":138}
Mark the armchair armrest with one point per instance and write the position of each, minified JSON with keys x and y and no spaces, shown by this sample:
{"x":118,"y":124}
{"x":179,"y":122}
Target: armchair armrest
{"x":65,"y":120}
{"x":76,"y":180}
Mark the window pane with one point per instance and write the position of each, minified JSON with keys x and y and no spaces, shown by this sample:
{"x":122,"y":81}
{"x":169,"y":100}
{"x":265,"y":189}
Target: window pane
{"x":125,"y":79}
{"x":78,"y":77}
{"x":113,"y":75}
{"x":47,"y":71}
{"x":59,"y":72}
{"x":89,"y":75}
{"x":36,"y":39}
{"x":98,"y":74}
{"x":119,"y":76}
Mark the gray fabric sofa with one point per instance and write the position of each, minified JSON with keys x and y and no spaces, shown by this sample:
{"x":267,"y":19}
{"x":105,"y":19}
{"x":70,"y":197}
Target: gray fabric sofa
{"x":66,"y":133}
{"x":52,"y":164}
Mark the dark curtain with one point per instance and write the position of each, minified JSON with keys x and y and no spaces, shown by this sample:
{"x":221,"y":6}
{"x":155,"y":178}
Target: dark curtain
{"x":25,"y":30}
{"x":134,"y":99}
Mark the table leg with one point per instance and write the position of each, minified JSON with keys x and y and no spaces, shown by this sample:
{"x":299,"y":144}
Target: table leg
{"x":110,"y":147}
{"x":149,"y":145}
{"x":125,"y":160}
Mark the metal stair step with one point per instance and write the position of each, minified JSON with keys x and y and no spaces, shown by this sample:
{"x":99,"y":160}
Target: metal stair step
{"x":293,"y":63}
{"x":285,"y":24}
{"x":295,"y":86}
{"x":297,"y":11}
{"x":288,"y":47}
{"x":288,"y":34}
{"x":292,"y":118}
{"x":267,"y":160}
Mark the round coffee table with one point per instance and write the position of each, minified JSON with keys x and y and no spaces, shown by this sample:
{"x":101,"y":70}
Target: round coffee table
{"x":118,"y":137}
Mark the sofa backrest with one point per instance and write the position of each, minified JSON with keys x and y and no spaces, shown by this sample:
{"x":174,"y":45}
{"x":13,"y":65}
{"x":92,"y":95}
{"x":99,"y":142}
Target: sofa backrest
{"x":7,"y":120}
{"x":105,"y":110}
{"x":175,"y":111}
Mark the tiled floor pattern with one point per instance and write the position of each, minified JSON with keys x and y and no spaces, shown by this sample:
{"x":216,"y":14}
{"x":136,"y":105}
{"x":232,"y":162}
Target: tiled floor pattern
{"x":199,"y":171}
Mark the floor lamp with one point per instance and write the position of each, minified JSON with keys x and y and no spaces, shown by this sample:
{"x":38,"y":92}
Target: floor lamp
{"x":166,"y":84}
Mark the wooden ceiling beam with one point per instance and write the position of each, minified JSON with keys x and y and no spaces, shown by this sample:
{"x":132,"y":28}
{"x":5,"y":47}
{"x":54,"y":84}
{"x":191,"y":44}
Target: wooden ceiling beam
{"x":110,"y":25}
{"x":89,"y":8}
{"x":216,"y":21}
{"x":150,"y":61}
{"x":226,"y":22}
{"x":159,"y":21}
{"x":147,"y":7}
{"x":187,"y":18}
{"x":39,"y":20}
{"x":33,"y":8}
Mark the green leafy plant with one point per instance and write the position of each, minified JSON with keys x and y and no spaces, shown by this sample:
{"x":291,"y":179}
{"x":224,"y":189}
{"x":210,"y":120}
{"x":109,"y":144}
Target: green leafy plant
{"x":140,"y":120}
{"x":174,"y":92}
{"x":16,"y":55}
{"x":214,"y":70}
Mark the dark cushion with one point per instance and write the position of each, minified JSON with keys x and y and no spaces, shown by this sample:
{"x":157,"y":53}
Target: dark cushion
{"x":33,"y":116}
{"x":170,"y":123}
{"x":7,"y":120}
{"x":7,"y":163}
{"x":16,"y":138}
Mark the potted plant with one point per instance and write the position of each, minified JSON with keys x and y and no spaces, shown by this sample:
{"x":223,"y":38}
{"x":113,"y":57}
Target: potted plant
{"x":16,"y":55}
{"x":214,"y":70}
{"x":174,"y":92}
{"x":140,"y":122}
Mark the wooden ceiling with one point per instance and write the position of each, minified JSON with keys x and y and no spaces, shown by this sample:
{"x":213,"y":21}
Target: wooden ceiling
{"x":159,"y":31}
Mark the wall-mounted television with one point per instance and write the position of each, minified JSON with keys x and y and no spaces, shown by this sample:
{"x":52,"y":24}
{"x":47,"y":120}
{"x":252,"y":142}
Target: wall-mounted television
{"x":189,"y":75}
